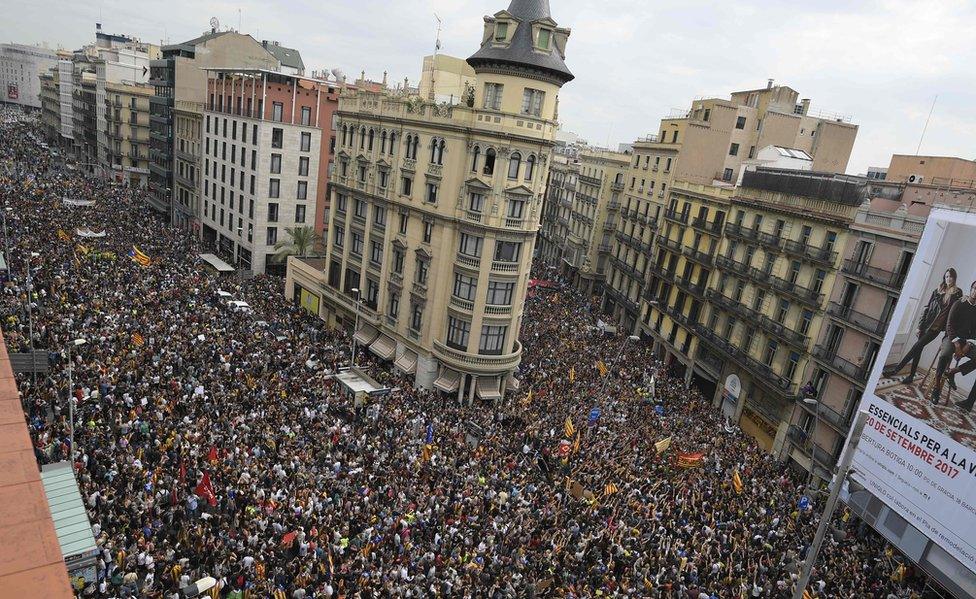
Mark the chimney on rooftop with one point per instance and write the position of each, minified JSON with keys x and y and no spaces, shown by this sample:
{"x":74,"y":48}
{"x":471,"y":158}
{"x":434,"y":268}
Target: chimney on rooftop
{"x":805,"y":103}
{"x":769,"y":84}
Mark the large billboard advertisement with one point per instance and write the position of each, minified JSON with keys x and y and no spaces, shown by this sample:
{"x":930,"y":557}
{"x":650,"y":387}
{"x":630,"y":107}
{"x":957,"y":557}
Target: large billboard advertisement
{"x":918,"y":451}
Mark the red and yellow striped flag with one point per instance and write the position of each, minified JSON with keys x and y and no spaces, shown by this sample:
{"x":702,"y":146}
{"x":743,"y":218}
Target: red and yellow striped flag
{"x":138,"y":339}
{"x":568,"y":428}
{"x":737,"y":482}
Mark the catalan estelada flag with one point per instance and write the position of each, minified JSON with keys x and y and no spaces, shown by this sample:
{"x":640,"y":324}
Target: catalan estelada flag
{"x":737,"y":482}
{"x":690,"y":460}
{"x":610,"y":489}
{"x":568,"y":427}
{"x":576,"y":443}
{"x":139,"y":257}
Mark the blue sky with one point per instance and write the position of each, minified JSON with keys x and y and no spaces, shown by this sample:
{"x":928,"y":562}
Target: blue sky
{"x":881,"y":62}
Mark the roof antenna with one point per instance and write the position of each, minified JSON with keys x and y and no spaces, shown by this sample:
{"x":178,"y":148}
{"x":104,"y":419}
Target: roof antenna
{"x":925,"y":128}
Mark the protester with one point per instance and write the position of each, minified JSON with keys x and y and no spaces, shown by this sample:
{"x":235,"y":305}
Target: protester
{"x":212,"y":442}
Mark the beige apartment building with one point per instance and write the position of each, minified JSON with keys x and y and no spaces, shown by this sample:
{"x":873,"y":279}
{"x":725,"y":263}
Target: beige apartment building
{"x":936,"y":171}
{"x":711,"y":144}
{"x":593,"y":213}
{"x":127,"y":132}
{"x":557,"y":207}
{"x":435,"y":211}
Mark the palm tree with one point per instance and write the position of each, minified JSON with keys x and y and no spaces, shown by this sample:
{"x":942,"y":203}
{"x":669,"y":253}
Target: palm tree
{"x":302,"y":241}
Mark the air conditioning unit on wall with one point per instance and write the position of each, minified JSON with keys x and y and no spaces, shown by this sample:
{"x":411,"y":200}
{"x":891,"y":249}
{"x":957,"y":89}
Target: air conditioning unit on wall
{"x":914,"y":178}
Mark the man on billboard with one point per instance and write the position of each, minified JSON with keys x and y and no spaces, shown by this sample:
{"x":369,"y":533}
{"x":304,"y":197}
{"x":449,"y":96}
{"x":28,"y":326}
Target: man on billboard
{"x":960,"y":342}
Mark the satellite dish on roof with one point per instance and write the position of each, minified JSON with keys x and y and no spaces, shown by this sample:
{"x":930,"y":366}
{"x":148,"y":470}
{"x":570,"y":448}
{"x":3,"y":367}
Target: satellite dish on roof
{"x":214,"y":23}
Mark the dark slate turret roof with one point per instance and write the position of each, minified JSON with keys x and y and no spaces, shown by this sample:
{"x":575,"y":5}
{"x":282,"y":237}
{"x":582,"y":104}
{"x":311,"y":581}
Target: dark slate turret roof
{"x":520,"y":53}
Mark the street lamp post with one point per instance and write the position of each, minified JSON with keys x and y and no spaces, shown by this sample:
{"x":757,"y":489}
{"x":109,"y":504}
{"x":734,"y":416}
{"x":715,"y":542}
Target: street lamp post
{"x":355,"y":327}
{"x":829,"y":507}
{"x":71,"y":399}
{"x":813,"y":437}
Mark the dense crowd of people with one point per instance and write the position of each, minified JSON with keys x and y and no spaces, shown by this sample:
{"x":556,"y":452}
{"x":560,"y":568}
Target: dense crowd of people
{"x":213,"y":442}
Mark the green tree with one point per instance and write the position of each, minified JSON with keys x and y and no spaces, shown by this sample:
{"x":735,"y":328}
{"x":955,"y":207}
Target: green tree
{"x":300,"y":241}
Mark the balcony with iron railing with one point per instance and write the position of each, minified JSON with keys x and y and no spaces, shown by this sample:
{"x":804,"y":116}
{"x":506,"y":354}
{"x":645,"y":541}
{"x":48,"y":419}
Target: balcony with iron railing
{"x":803,"y":249}
{"x":677,"y":217}
{"x":697,"y":289}
{"x":647,"y":220}
{"x":617,"y":186}
{"x":671,"y":244}
{"x":839,"y":420}
{"x":735,"y":230}
{"x":706,"y":226}
{"x":856,"y":373}
{"x":723,"y":261}
{"x":622,"y":300}
{"x":809,"y":297}
{"x":769,"y":241}
{"x":888,"y":279}
{"x":861,"y":321}
{"x":698,"y":256}
{"x":626,"y":268}
{"x":589,"y":180}
{"x":613,"y":204}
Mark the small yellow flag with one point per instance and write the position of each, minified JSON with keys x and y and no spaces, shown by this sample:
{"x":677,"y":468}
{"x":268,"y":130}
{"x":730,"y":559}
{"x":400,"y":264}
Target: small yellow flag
{"x":602,"y":368}
{"x":138,"y":339}
{"x":576,"y":443}
{"x":569,"y":428}
{"x":662,"y":445}
{"x":737,"y":482}
{"x":63,"y":235}
{"x":572,"y":374}
{"x":610,"y":489}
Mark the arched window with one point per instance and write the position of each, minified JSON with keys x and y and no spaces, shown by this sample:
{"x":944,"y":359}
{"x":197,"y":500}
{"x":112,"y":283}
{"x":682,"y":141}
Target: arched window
{"x":414,"y":146}
{"x":370,"y":144}
{"x":489,"y":162}
{"x":440,"y":151}
{"x":529,"y":167}
{"x":433,"y":151}
{"x":474,"y":160}
{"x":408,"y":143}
{"x":383,"y":142}
{"x":513,"y":165}
{"x":392,"y":143}
{"x":352,"y":136}
{"x":362,"y":138}
{"x":345,"y":135}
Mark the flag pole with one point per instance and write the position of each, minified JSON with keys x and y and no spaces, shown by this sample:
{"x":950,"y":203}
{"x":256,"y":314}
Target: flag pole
{"x":831,"y":505}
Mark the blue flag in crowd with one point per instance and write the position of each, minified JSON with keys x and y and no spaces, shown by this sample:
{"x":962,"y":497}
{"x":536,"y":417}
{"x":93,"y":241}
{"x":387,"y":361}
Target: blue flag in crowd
{"x":429,"y":438}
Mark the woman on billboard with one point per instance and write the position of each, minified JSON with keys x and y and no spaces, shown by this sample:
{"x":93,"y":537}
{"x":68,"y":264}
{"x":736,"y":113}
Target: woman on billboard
{"x":931,"y":324}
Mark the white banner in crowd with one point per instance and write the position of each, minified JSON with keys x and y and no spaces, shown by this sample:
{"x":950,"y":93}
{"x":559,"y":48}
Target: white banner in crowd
{"x":917,"y":456}
{"x":71,"y":202}
{"x":86,"y":232}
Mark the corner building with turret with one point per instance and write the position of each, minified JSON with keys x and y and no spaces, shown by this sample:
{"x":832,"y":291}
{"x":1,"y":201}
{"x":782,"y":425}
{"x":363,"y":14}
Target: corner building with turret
{"x":434,"y":212}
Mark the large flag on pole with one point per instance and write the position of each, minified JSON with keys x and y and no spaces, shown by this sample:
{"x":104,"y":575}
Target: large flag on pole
{"x":569,"y":428}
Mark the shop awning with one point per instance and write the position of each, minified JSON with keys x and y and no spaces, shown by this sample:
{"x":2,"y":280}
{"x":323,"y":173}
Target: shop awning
{"x":488,"y":388}
{"x":512,"y":383}
{"x":448,"y":381}
{"x":407,"y":363}
{"x":384,"y":347}
{"x":365,"y":335}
